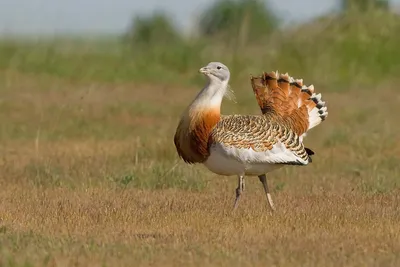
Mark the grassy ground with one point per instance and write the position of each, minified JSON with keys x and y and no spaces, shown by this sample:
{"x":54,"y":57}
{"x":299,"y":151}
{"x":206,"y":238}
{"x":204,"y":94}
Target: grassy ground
{"x":89,"y":174}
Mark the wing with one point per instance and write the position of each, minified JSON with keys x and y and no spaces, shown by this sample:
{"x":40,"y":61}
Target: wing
{"x":256,"y":139}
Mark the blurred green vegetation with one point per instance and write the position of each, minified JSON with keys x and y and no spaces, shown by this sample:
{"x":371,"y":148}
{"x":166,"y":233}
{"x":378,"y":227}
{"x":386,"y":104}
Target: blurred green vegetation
{"x":337,"y":51}
{"x":237,"y":21}
{"x":147,"y":30}
{"x":364,"y":5}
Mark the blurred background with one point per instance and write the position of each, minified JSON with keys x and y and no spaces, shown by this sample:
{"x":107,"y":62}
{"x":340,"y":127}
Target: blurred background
{"x":356,"y":40}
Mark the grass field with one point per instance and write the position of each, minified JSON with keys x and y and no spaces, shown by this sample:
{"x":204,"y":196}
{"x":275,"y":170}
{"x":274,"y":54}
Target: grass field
{"x":89,"y":174}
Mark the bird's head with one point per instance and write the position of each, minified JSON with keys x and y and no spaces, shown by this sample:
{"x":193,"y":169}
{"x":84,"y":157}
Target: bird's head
{"x":216,"y":72}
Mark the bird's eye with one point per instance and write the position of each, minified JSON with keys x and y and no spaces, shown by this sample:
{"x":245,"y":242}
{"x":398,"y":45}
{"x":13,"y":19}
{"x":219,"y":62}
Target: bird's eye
{"x":219,"y":67}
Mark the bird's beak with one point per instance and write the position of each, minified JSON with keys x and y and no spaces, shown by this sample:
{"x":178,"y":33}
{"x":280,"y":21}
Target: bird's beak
{"x":204,"y":70}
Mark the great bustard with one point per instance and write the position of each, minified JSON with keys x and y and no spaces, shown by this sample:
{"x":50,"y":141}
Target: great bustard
{"x":251,"y":145}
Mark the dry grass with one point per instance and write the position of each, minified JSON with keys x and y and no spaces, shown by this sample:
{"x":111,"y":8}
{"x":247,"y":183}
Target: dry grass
{"x":168,"y":228}
{"x":87,"y":179}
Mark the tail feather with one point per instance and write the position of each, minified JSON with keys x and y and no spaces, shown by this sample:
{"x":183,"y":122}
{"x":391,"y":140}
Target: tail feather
{"x":309,"y":153}
{"x":290,"y":99}
{"x":284,"y":83}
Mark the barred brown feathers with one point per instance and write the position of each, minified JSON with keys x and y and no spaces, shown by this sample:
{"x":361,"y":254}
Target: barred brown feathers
{"x":259,"y":133}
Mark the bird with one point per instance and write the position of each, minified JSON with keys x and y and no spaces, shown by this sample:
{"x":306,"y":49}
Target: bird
{"x":252,"y":144}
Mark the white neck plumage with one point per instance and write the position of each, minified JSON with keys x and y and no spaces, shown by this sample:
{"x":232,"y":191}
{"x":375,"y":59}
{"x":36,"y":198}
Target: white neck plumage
{"x":211,"y":95}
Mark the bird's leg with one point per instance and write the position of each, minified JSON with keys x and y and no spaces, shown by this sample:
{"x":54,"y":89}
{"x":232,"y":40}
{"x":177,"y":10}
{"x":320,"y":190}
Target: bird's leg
{"x":263,"y":180}
{"x":239,"y":190}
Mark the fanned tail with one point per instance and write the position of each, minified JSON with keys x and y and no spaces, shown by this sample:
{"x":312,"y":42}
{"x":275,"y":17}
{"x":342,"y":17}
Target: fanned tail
{"x":288,"y":98}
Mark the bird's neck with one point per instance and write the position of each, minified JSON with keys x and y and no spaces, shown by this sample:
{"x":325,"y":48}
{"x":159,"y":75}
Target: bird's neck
{"x":210,"y":97}
{"x":205,"y":111}
{"x":193,"y":132}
